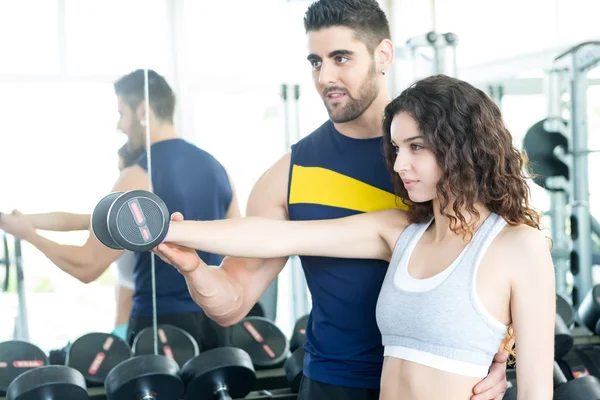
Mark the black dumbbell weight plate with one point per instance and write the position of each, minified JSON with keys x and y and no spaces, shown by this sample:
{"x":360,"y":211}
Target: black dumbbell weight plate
{"x":262,"y":340}
{"x":95,"y":354}
{"x":294,"y":367}
{"x":299,"y":335}
{"x":173,"y":343}
{"x":144,"y":376}
{"x":16,"y":358}
{"x":226,"y":368}
{"x":138,"y":220}
{"x":100,"y":221}
{"x":52,"y":382}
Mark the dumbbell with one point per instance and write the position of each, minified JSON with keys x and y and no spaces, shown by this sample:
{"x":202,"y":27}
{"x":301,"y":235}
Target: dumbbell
{"x":137,"y":220}
{"x":266,"y":344}
{"x":565,"y":310}
{"x":50,"y":382}
{"x":148,"y":377}
{"x":95,"y":355}
{"x":294,"y":368}
{"x":582,"y":388}
{"x":563,"y":339}
{"x":299,"y":334}
{"x":224,"y":373}
{"x":16,"y":358}
{"x":589,"y":310}
{"x":173,"y":343}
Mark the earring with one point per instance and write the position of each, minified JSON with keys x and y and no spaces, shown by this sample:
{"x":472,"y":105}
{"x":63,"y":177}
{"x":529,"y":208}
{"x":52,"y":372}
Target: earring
{"x":383,"y":72}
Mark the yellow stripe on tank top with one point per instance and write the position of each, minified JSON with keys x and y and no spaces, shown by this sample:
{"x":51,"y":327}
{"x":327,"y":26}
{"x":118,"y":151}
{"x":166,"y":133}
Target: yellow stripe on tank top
{"x":316,"y":185}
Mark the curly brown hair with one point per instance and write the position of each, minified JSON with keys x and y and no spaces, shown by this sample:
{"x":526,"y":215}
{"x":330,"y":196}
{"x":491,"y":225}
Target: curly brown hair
{"x":465,"y":131}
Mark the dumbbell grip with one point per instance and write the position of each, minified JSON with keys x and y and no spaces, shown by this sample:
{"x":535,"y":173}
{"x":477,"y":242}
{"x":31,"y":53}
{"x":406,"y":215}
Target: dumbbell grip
{"x":558,"y":375}
{"x":222,"y":392}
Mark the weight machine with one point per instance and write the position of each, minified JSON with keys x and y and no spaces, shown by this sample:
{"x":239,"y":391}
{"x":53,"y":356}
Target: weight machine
{"x":558,"y":151}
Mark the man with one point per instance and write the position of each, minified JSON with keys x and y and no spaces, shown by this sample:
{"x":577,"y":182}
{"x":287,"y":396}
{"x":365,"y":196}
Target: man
{"x":336,"y":171}
{"x":175,"y":178}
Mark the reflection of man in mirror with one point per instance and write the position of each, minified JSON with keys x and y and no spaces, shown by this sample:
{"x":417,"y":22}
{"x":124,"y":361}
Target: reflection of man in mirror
{"x":175,"y":164}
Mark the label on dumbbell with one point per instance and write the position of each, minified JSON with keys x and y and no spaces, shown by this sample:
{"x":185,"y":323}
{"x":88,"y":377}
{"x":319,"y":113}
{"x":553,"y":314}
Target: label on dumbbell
{"x":109,"y":341}
{"x":168,"y":352}
{"x":268,"y":351}
{"x":253,"y":332}
{"x":137,"y":212}
{"x":93,"y":370}
{"x":27,"y":363}
{"x":162,"y":335}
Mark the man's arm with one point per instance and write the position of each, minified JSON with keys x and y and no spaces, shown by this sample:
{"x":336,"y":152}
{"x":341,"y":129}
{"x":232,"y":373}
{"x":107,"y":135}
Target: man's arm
{"x":86,"y":262}
{"x":60,"y":221}
{"x":227,"y":294}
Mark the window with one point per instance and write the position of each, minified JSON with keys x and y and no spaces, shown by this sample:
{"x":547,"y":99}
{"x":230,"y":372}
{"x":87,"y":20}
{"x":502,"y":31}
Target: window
{"x":58,"y":153}
{"x":115,"y":37}
{"x":29,"y":40}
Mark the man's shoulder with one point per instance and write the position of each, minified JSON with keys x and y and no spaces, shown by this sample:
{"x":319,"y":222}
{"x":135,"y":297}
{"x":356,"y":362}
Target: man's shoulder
{"x":315,"y":136}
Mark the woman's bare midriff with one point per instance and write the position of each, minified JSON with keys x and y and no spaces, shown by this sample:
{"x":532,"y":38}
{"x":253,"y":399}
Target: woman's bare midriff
{"x":405,"y":380}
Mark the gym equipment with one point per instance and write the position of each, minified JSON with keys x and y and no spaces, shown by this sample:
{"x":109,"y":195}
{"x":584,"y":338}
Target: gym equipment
{"x":262,"y":340}
{"x":564,"y":309}
{"x":52,"y":382}
{"x":147,"y":377}
{"x":540,"y":143}
{"x":299,"y":334}
{"x":175,"y":343}
{"x":223,"y":373}
{"x":589,"y":310}
{"x":582,"y":388}
{"x":95,"y":354}
{"x":571,"y":69}
{"x":511,"y":378}
{"x":5,"y":261}
{"x":137,"y":220}
{"x":294,"y":367}
{"x":563,"y":340}
{"x":59,"y":356}
{"x":442,"y":48}
{"x":16,"y":358}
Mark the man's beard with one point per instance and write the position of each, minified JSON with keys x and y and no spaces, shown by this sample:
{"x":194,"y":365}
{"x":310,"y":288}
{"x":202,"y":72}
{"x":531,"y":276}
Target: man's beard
{"x":353,"y":108}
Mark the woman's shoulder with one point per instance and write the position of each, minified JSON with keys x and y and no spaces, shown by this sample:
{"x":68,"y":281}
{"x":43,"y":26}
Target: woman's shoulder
{"x":524,"y":248}
{"x":523,"y":237}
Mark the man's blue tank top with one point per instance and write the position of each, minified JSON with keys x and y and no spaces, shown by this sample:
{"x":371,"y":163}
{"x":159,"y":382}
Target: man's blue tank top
{"x":334,"y":176}
{"x":193,"y":182}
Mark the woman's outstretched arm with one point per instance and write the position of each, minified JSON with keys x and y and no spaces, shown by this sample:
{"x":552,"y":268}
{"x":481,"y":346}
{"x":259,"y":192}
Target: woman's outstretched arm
{"x":358,"y":236}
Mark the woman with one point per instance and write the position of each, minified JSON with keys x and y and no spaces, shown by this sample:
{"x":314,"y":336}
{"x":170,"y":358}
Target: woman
{"x":467,"y":260}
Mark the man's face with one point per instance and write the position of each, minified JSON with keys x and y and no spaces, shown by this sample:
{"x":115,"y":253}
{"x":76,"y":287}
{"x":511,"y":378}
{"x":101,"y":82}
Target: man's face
{"x":344,"y":72}
{"x":128,"y":124}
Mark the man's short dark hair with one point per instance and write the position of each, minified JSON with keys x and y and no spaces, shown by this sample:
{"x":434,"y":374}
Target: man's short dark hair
{"x":365,"y":17}
{"x":162,"y":98}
